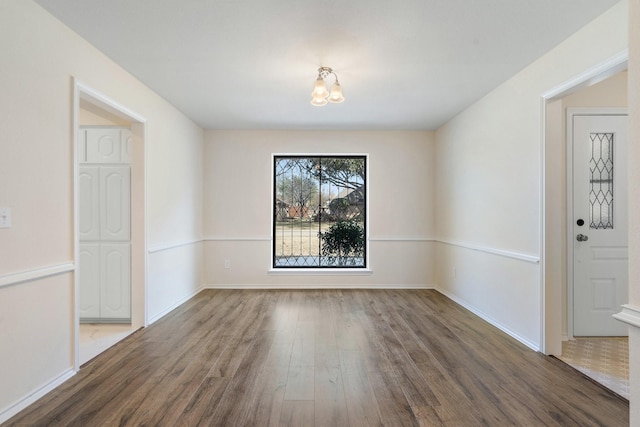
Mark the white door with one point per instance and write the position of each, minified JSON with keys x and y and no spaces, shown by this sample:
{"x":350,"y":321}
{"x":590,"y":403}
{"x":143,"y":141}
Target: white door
{"x":89,"y":270}
{"x":103,"y":145}
{"x":600,"y":260}
{"x":115,"y":281}
{"x":115,"y":203}
{"x":105,"y":224}
{"x":89,"y":193}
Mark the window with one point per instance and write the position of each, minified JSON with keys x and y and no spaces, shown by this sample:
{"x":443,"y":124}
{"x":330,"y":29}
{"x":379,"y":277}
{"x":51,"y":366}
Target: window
{"x":319,"y":211}
{"x":601,"y":181}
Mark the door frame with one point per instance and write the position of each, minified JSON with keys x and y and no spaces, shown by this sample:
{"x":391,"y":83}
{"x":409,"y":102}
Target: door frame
{"x":571,"y":113}
{"x":551,"y":287}
{"x":139,"y":223}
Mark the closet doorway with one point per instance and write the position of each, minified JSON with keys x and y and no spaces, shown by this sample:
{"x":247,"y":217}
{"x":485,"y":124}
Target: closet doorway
{"x":110,"y":224}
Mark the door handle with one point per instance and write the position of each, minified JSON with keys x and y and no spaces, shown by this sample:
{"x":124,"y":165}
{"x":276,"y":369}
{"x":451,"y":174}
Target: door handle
{"x":582,"y":238}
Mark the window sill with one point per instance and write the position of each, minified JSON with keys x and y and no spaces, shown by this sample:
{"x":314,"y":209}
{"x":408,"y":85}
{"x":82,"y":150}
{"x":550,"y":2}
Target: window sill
{"x":320,"y":272}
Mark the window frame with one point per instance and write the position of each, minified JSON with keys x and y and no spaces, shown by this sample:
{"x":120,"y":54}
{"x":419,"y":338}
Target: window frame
{"x":326,"y":269}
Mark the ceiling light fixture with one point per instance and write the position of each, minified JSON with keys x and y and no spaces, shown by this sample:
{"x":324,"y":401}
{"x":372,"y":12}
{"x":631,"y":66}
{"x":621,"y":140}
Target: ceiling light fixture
{"x":320,"y":94}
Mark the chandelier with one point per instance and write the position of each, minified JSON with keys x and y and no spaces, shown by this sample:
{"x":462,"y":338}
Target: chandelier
{"x":320,"y":95}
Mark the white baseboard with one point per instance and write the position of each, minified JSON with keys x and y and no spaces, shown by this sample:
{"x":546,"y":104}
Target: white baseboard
{"x":316,"y":286}
{"x":174,"y":306}
{"x":21,"y":404}
{"x":483,"y":316}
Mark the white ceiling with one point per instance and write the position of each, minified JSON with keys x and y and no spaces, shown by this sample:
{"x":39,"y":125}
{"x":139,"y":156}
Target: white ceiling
{"x":251,"y":64}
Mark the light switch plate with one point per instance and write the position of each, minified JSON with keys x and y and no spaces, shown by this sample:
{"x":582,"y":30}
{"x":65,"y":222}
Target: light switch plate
{"x":5,"y":217}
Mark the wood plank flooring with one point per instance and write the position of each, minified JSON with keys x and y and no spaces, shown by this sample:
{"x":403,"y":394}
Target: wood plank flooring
{"x":324,"y":358}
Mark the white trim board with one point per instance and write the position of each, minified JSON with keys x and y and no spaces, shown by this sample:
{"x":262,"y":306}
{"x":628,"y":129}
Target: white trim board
{"x":100,"y":100}
{"x":238,"y":239}
{"x":169,"y":246}
{"x":494,"y":251}
{"x":173,"y":306}
{"x":533,"y":346}
{"x":402,"y":239}
{"x":630,"y":315}
{"x":600,"y":72}
{"x":315,"y":286}
{"x":35,"y":395}
{"x":36,"y":274}
{"x":328,"y":271}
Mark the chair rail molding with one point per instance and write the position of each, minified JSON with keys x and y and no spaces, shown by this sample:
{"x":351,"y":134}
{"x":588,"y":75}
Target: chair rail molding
{"x":494,"y":251}
{"x":168,"y":246}
{"x":36,"y":274}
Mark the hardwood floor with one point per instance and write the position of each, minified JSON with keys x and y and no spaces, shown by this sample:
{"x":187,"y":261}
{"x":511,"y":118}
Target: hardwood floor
{"x":324,"y":357}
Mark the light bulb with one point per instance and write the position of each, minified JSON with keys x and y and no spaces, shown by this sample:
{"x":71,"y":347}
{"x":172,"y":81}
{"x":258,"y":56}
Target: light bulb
{"x":318,"y":102}
{"x":336,"y":93}
{"x":320,"y":88}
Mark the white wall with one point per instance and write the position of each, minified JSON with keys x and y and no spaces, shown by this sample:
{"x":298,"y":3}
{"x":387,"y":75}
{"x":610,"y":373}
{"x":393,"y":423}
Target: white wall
{"x":488,"y":177}
{"x":488,"y":183}
{"x":238,"y":175}
{"x":39,"y":58}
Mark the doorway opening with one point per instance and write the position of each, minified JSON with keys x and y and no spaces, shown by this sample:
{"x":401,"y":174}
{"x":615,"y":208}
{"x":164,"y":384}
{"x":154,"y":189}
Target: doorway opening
{"x":592,"y":89}
{"x":94,"y":110}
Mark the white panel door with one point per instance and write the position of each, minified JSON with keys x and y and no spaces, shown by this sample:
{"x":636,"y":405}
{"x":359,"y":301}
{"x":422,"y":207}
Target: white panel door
{"x":600,"y":261}
{"x":89,"y":193}
{"x":82,"y":146}
{"x":103,"y":146}
{"x":115,"y":289}
{"x":105,"y":221}
{"x":125,"y":138}
{"x":115,"y":203}
{"x":89,"y":276}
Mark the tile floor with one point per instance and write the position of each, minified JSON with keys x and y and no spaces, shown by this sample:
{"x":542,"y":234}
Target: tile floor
{"x":605,"y":359}
{"x":97,"y":337}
